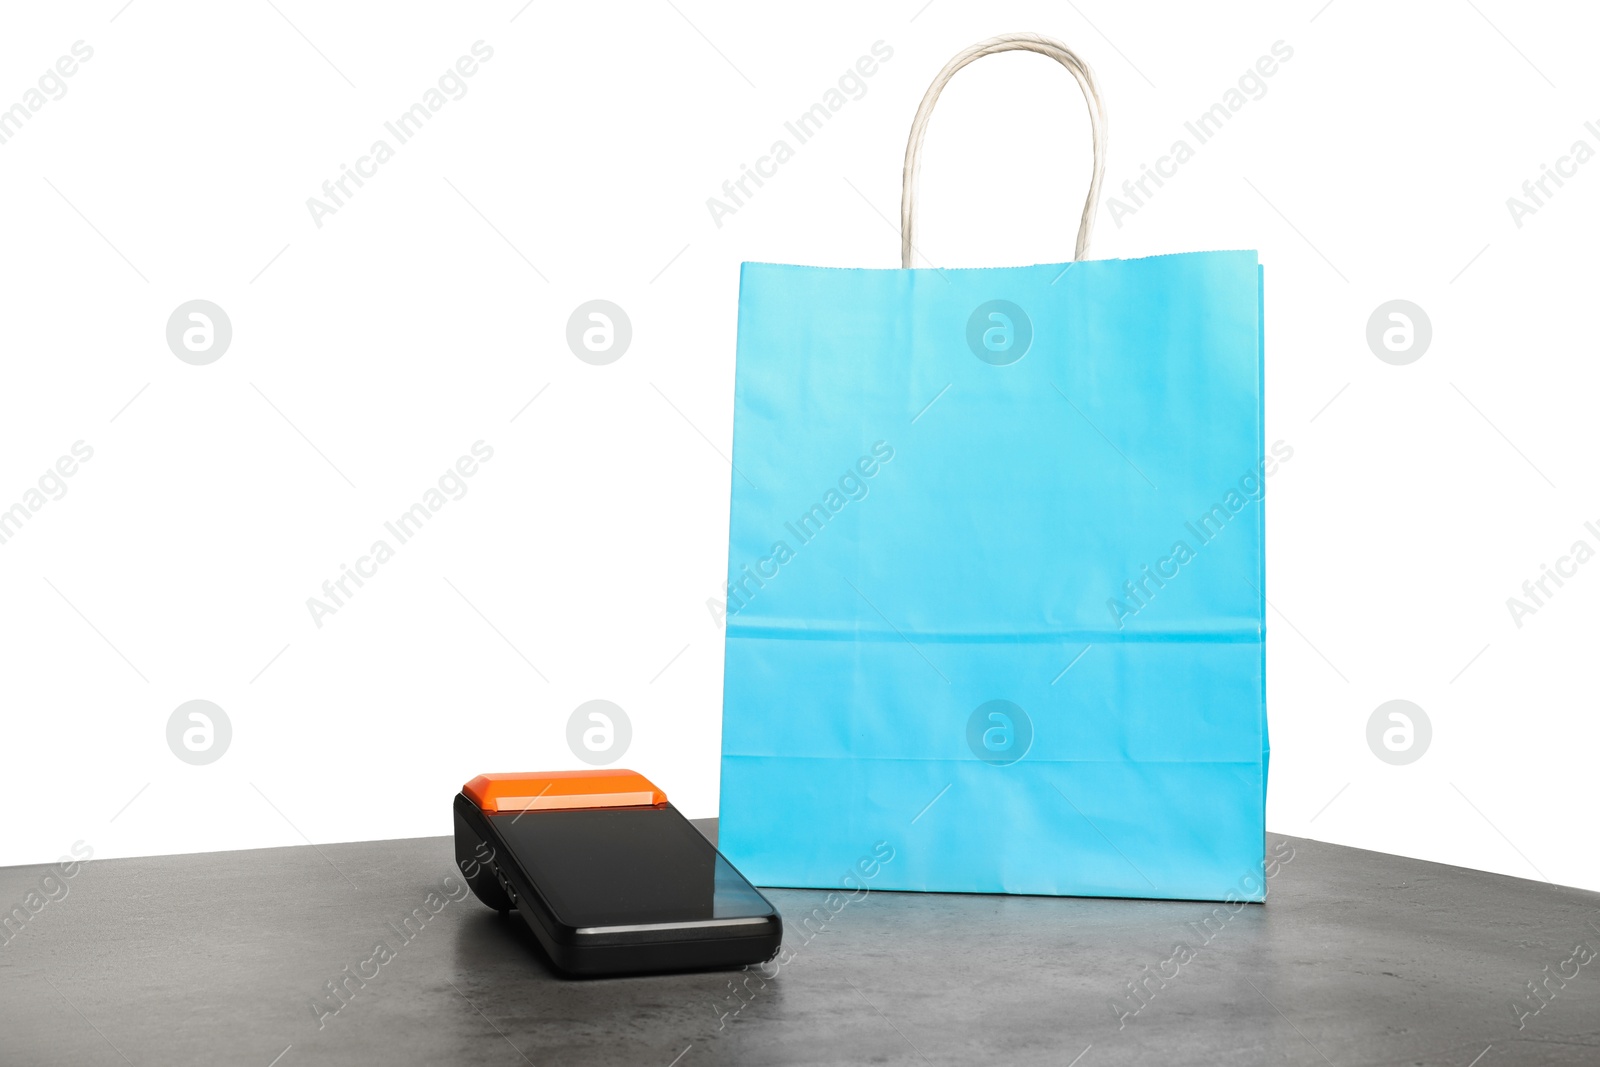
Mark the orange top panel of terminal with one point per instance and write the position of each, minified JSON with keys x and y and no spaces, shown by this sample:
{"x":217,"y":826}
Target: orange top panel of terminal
{"x":562,"y":790}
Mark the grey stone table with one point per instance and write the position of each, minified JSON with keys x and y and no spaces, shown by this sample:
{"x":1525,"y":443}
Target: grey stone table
{"x":1357,"y":958}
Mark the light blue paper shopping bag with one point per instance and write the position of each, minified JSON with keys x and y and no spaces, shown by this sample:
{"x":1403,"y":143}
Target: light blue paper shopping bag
{"x":995,"y":605}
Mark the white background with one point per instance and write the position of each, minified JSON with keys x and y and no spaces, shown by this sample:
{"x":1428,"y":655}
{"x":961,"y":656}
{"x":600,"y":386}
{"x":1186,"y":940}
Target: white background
{"x":424,"y":315}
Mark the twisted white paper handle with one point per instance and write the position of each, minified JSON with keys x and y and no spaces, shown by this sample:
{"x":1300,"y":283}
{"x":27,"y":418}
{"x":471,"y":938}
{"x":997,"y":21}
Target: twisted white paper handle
{"x":1008,"y":42}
